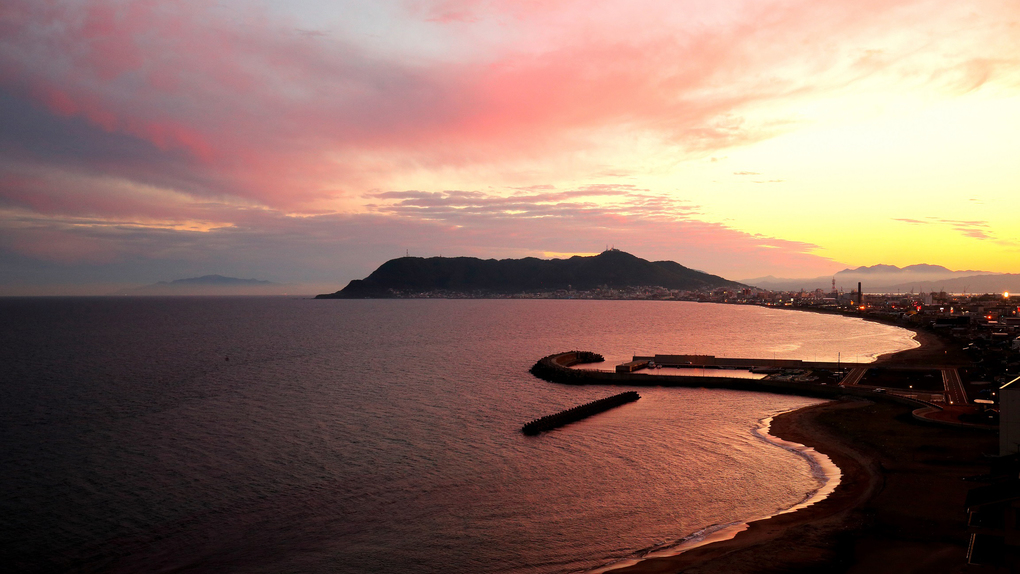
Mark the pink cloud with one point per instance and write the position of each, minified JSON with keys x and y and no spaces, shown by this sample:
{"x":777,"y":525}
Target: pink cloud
{"x":102,"y":202}
{"x":245,"y":109}
{"x":636,"y":220}
{"x":447,"y":11}
{"x":428,"y":223}
{"x":275,"y":113}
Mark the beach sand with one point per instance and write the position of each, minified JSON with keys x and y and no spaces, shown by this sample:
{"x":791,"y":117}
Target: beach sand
{"x":933,"y":351}
{"x":898,"y":508}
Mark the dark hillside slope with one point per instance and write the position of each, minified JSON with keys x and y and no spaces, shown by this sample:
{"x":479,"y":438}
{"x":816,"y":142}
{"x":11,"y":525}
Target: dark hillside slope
{"x":616,"y":269}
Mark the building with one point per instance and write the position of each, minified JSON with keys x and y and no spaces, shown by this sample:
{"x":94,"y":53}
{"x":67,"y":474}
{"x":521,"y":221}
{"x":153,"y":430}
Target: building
{"x":993,"y":517}
{"x":1009,"y":418}
{"x":632,"y":366}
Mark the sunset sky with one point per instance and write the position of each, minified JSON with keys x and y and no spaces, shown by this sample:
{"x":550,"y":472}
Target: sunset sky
{"x":306,"y":141}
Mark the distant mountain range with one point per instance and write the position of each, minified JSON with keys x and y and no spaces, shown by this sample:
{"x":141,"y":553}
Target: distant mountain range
{"x":612,"y":268}
{"x":209,"y":285}
{"x":892,"y":279}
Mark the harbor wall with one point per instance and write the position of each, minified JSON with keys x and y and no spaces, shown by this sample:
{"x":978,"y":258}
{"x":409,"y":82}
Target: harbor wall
{"x":578,"y":413}
{"x":549,"y":369}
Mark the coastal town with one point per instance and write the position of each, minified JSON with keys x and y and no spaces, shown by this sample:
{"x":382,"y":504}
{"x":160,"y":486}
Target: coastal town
{"x":982,"y":331}
{"x":926,"y":440}
{"x":929,"y":416}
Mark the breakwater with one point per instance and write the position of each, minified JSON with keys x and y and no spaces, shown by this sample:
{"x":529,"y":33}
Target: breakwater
{"x":579,"y":412}
{"x":552,"y":369}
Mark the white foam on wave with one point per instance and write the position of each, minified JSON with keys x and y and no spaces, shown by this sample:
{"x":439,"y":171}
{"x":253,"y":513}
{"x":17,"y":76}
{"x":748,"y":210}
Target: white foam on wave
{"x":823,"y":469}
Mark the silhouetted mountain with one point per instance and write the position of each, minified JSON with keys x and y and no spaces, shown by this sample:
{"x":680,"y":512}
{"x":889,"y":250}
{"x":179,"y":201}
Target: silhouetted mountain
{"x":925,"y":268}
{"x":214,"y":280}
{"x":209,"y":285}
{"x":997,"y":283}
{"x":615,"y":269}
{"x":893,"y":279}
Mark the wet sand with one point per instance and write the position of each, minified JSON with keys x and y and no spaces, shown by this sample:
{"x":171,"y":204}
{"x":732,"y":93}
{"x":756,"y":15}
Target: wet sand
{"x":899,"y":505}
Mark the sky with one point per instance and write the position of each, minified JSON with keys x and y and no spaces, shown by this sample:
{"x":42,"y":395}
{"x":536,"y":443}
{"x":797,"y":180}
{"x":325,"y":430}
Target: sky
{"x":306,"y":142}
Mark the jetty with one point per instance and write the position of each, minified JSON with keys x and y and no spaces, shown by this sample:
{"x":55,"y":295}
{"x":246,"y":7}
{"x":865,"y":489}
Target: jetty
{"x":577,"y":413}
{"x":936,"y":386}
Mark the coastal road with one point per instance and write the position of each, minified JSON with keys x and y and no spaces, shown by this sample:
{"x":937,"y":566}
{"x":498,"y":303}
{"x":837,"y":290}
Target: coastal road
{"x":854,"y":377}
{"x":954,"y":387}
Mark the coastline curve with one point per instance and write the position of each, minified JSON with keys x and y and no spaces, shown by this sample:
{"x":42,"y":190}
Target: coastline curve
{"x":823,"y":468}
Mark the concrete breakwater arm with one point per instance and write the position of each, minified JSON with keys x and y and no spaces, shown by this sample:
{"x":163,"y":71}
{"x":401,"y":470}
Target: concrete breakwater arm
{"x":578,"y":413}
{"x":552,"y":369}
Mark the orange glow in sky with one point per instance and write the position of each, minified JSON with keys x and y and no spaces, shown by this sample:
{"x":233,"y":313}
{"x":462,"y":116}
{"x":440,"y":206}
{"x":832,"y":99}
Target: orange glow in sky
{"x":308,"y":141}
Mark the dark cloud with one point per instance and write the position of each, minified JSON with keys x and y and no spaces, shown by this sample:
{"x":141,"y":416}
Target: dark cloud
{"x":34,"y":139}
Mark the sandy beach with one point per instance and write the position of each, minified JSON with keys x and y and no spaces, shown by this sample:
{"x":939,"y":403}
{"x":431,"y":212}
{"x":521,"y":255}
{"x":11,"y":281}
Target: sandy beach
{"x":899,"y":505}
{"x":933,"y":351}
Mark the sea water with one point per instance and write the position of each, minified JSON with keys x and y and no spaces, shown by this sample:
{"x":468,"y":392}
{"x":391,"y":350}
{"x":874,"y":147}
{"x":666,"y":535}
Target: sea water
{"x":298,"y":435}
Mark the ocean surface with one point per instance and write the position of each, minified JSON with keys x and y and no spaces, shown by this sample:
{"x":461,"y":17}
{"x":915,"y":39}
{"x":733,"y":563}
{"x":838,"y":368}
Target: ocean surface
{"x":295,"y":435}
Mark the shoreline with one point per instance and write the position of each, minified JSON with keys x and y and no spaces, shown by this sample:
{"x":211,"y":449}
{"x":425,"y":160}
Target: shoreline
{"x":726,"y":553}
{"x":865,"y":441}
{"x":825,"y":470}
{"x":931,"y":349}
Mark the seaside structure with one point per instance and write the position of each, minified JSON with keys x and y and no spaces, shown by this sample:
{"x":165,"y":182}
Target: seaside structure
{"x":578,"y":413}
{"x":903,"y":384}
{"x":631,"y":366}
{"x":993,"y":516}
{"x":1009,"y":418}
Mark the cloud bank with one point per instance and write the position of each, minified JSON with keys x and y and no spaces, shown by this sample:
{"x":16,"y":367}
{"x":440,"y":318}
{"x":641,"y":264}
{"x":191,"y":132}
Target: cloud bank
{"x":156,"y":130}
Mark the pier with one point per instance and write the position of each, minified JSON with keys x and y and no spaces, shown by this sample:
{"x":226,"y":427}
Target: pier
{"x":577,"y":413}
{"x":919,"y":386}
{"x":711,"y":361}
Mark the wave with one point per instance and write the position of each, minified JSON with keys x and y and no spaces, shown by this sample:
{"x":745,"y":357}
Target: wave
{"x":823,"y":470}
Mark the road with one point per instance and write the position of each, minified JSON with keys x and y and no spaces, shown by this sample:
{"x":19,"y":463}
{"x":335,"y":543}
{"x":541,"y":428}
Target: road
{"x":854,"y":377}
{"x":954,"y":387}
